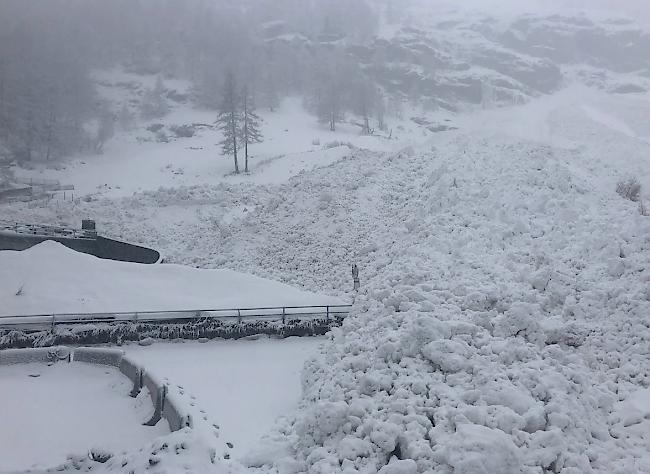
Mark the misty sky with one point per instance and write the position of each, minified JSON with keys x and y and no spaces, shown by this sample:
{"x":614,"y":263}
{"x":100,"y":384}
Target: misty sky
{"x":639,"y":9}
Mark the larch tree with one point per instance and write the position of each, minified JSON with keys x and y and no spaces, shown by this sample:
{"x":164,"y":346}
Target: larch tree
{"x":229,"y":119}
{"x":251,"y":123}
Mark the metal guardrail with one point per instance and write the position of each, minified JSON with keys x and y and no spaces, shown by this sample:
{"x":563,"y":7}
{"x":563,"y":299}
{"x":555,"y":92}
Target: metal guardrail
{"x":280,"y":313}
{"x":45,"y":230}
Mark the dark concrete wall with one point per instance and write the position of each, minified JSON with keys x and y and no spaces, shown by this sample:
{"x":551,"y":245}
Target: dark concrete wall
{"x":116,"y":250}
{"x":100,"y":247}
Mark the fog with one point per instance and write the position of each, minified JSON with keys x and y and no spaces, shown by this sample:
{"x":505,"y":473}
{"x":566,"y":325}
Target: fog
{"x":340,"y":56}
{"x":638,"y":9}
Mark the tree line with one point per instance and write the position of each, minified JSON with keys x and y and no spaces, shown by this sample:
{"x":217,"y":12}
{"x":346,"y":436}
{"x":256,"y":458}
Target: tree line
{"x":48,"y":51}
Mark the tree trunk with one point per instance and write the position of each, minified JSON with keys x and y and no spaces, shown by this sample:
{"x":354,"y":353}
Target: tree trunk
{"x":234,"y":141}
{"x":246,"y":130}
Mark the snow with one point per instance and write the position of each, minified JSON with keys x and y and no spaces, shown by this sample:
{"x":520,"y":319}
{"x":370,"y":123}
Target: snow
{"x":50,"y":412}
{"x":241,"y":386}
{"x":134,"y":161}
{"x":501,"y":324}
{"x":55,"y":279}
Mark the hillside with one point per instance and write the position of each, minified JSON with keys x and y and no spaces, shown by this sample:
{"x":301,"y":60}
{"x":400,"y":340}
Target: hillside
{"x":502,"y":322}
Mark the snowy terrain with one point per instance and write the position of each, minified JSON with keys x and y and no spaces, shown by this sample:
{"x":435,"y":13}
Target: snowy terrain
{"x":502,"y":321}
{"x":242,"y":386}
{"x":502,"y":325}
{"x":50,"y":278}
{"x":52,"y":412}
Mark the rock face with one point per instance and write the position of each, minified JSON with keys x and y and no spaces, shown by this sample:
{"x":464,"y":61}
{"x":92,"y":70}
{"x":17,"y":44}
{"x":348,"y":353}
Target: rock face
{"x":450,"y":61}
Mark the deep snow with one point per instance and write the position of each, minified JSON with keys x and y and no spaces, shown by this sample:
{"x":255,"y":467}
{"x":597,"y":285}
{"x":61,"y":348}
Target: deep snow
{"x":242,"y":386}
{"x":49,"y":278}
{"x":50,"y":412}
{"x":502,"y":323}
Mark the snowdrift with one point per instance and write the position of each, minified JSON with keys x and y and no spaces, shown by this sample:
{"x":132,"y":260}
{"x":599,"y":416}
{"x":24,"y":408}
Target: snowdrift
{"x":50,"y":278}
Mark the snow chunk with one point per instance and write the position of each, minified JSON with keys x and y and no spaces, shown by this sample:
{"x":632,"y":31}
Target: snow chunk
{"x":450,"y":356}
{"x":475,"y":449}
{"x":397,"y":466}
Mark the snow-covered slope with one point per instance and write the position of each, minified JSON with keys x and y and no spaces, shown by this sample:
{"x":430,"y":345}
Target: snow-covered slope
{"x":50,"y":278}
{"x":502,"y":322}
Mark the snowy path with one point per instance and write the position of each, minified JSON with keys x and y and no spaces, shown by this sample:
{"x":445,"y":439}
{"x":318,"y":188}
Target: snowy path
{"x":243,"y":386}
{"x":66,"y":410}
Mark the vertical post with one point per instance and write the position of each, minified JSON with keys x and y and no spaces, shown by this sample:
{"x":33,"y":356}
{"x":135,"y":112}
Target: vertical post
{"x":135,"y":318}
{"x":239,"y":316}
{"x":53,"y":322}
{"x":328,"y":313}
{"x":284,"y":314}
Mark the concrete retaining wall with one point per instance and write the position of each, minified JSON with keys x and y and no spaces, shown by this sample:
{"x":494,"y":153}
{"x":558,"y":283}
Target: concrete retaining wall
{"x":134,"y":372}
{"x":16,"y":241}
{"x":101,"y":356}
{"x":157,"y":392}
{"x":176,"y":417}
{"x":100,"y":247}
{"x":165,"y":405}
{"x":25,"y":356}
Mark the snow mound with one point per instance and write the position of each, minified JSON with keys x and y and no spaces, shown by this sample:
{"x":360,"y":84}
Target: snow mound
{"x":50,"y":278}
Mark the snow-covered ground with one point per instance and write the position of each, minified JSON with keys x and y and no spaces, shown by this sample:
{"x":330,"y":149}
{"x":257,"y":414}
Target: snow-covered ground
{"x":136,"y":160}
{"x":502,"y":323}
{"x":51,"y":412}
{"x":50,"y":278}
{"x":242,"y":386}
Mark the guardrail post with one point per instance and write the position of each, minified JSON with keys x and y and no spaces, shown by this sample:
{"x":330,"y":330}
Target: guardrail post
{"x":328,"y":313}
{"x":239,"y":316}
{"x":284,"y":315}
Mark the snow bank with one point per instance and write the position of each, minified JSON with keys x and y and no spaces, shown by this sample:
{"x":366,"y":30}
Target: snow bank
{"x":50,"y":278}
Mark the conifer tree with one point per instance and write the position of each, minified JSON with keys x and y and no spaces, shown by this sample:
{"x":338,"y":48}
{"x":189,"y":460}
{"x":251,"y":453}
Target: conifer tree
{"x":229,"y":119}
{"x":250,"y":129}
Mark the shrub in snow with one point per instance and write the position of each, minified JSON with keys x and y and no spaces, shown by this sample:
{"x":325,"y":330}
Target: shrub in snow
{"x":100,"y":455}
{"x":161,"y":137}
{"x":183,"y":131}
{"x":629,"y":188}
{"x":119,"y":333}
{"x":644,"y":210}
